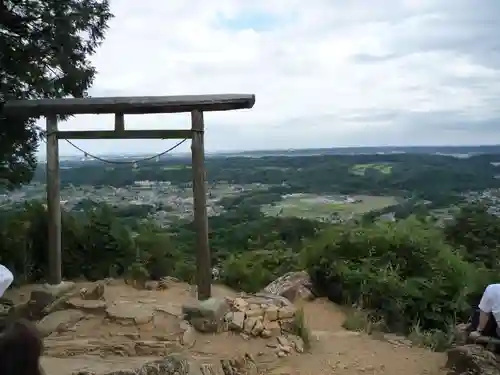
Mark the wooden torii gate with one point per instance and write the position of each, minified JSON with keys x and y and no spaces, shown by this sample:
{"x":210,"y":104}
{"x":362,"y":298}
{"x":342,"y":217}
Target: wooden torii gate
{"x":121,"y":106}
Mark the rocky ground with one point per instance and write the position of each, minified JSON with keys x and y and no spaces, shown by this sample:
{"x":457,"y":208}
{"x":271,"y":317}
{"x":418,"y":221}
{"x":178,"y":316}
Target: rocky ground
{"x":114,"y":328}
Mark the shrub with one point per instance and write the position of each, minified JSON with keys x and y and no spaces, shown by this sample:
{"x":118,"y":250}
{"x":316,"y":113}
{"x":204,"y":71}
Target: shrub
{"x":252,"y":270}
{"x":403,"y":272}
{"x":95,"y":245}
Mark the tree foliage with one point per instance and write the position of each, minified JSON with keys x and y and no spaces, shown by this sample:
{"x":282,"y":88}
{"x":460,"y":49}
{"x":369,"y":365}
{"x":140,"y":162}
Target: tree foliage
{"x":45,"y":46}
{"x":408,"y":273}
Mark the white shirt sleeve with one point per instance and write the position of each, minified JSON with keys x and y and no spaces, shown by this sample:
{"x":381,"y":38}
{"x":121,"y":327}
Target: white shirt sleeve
{"x":486,"y":304}
{"x":6,"y":278}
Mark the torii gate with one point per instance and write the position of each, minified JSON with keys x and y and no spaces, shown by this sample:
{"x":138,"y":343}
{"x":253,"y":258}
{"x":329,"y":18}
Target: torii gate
{"x":121,"y":106}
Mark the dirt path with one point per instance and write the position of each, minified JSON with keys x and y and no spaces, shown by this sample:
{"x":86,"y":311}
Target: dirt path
{"x":334,"y":350}
{"x":343,"y":352}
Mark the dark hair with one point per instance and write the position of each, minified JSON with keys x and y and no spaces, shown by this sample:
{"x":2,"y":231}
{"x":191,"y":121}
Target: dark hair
{"x":21,"y":346}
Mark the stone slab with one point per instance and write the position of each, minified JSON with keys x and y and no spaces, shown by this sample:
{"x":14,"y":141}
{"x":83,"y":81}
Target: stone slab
{"x":59,"y":320}
{"x":130,"y":312}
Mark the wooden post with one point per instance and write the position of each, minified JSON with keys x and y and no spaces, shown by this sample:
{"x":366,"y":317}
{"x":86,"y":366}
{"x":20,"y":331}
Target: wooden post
{"x":203,"y":257}
{"x":53,"y":202}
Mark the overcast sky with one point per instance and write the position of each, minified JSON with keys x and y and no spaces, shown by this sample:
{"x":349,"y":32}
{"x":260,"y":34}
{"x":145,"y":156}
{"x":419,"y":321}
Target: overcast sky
{"x":325,"y":73}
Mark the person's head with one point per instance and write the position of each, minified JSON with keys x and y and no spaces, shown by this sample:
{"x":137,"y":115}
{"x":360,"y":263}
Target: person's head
{"x":21,"y":347}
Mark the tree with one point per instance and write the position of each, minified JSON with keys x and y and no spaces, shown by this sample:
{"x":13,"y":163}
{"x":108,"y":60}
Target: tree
{"x":45,"y":46}
{"x":476,"y":230}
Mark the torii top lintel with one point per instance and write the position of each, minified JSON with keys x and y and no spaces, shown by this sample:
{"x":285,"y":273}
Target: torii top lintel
{"x":128,"y":105}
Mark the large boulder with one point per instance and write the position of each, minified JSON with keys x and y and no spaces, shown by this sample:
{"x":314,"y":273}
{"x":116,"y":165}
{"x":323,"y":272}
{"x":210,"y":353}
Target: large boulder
{"x":206,"y":316}
{"x":472,"y":360}
{"x":292,"y":285}
{"x":45,"y":299}
{"x":59,"y":321}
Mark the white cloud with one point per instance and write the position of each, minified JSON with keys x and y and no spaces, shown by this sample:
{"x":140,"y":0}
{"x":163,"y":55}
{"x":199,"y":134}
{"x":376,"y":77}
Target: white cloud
{"x":314,"y":67}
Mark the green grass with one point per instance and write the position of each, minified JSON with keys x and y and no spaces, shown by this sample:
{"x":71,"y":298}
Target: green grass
{"x":316,"y":207}
{"x":360,"y":169}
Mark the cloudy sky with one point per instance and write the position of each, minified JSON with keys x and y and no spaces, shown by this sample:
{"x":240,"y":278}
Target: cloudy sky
{"x":325,"y":73}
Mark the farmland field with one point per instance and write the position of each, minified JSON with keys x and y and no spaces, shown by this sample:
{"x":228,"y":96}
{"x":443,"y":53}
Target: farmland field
{"x":176,"y":167}
{"x":322,"y":207}
{"x":360,"y":169}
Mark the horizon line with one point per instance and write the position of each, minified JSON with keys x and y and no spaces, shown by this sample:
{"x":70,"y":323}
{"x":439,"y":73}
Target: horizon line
{"x":287,"y":150}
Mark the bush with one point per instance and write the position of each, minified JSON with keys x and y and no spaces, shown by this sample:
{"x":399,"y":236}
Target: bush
{"x":253,"y":270}
{"x":403,"y":272}
{"x":476,"y":232}
{"x":95,"y":245}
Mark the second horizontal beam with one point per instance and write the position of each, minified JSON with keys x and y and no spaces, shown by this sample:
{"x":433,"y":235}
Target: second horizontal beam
{"x":125,"y":134}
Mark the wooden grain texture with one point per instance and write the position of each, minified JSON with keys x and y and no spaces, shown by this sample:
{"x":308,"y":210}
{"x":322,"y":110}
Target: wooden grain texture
{"x":203,"y":257}
{"x":128,"y":105}
{"x":53,"y":203}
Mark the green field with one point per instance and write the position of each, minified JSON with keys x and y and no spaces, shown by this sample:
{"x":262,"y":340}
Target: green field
{"x":176,"y":167}
{"x":322,"y":207}
{"x":360,"y":169}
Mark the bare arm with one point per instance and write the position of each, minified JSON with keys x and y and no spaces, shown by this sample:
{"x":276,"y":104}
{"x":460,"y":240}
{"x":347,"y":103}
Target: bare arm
{"x":483,"y":320}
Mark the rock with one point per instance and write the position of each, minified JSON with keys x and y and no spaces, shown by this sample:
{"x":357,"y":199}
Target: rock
{"x":129,"y":313}
{"x":292,"y":286}
{"x":170,"y":309}
{"x":461,"y":334}
{"x":249,"y":325}
{"x":45,"y":299}
{"x":273,"y":327}
{"x":257,"y":328}
{"x":288,"y":325}
{"x":472,"y":359}
{"x":57,"y":289}
{"x":397,"y":340}
{"x":254,"y":312}
{"x":285,"y":348}
{"x":286,"y":312}
{"x":173,"y":364}
{"x":206,"y":325}
{"x":188,"y":338}
{"x":298,"y":344}
{"x":271,"y":299}
{"x":59,"y":320}
{"x":237,"y":321}
{"x":282,"y":340}
{"x":152,"y":285}
{"x":240,"y":304}
{"x":271,"y":313}
{"x":213,"y":308}
{"x":266,"y":333}
{"x":92,"y":305}
{"x":208,"y":315}
{"x":240,"y":365}
{"x":96,"y":292}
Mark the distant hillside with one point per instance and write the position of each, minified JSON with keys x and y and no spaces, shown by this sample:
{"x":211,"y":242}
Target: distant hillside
{"x":459,"y":151}
{"x":447,"y":150}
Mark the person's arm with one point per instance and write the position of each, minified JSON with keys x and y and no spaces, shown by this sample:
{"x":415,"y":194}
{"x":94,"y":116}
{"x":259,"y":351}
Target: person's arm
{"x":483,"y":320}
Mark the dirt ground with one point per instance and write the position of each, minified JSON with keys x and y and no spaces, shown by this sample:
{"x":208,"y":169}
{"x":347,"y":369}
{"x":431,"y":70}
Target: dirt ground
{"x":334,"y":350}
